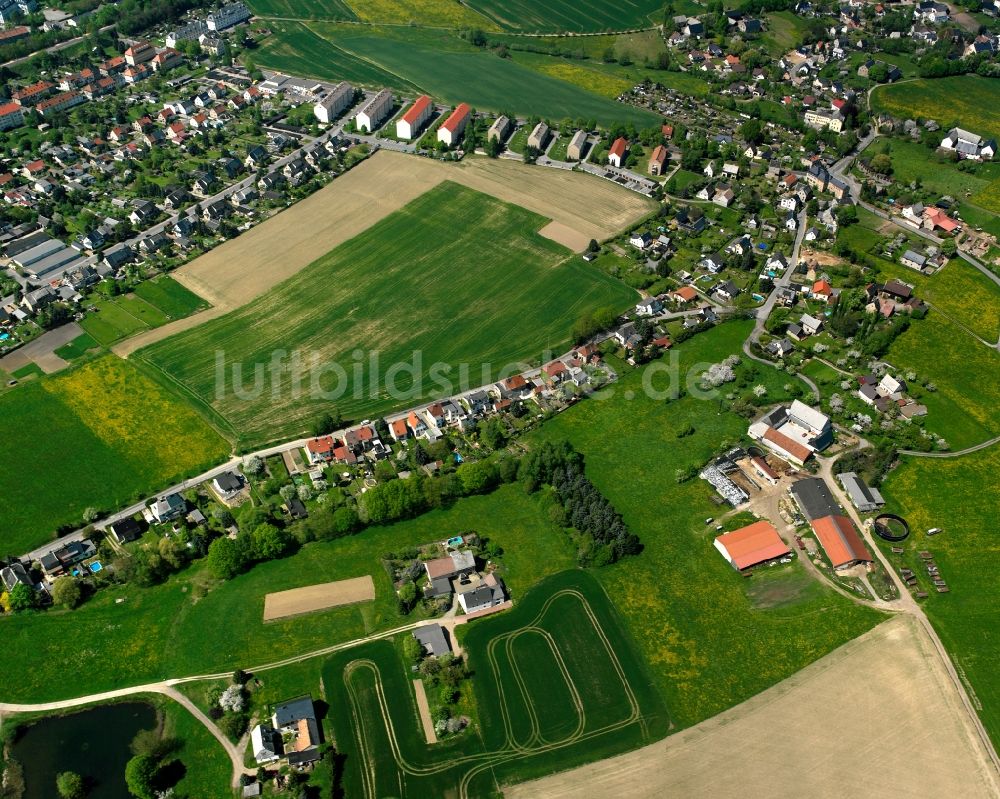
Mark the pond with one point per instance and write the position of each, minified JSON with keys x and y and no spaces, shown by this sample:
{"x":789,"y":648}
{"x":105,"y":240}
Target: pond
{"x":93,"y":743}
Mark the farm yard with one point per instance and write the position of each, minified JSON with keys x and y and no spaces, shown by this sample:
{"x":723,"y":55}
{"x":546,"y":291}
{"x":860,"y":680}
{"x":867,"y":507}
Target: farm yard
{"x":555,"y":676}
{"x":116,"y":435}
{"x":707,"y":644}
{"x":968,"y":101}
{"x":456,"y":277}
{"x":127,"y":641}
{"x":955,"y":494}
{"x":439,"y":64}
{"x":786,"y":741}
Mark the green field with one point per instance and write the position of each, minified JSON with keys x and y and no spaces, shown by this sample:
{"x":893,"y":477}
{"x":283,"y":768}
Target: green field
{"x":154,"y":303}
{"x":295,"y":48}
{"x":965,"y":409}
{"x":785,"y":30}
{"x":303,"y":9}
{"x":77,"y":348}
{"x":968,"y":101}
{"x":957,"y":496}
{"x":707,"y":644}
{"x":557,"y":683}
{"x":173,"y":629}
{"x":440,"y":65}
{"x":456,"y":277}
{"x":591,"y":16}
{"x":100,"y":435}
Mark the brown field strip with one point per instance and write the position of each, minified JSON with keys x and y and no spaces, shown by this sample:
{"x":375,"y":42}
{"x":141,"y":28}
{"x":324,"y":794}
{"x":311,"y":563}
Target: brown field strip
{"x":877,"y":717}
{"x":580,"y":206}
{"x":321,"y":596}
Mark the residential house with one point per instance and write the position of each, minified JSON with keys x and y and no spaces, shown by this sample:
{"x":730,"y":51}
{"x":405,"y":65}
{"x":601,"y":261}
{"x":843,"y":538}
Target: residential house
{"x":168,"y":508}
{"x":618,"y":152}
{"x":451,"y":130}
{"x":539,"y":136}
{"x":500,"y":130}
{"x":409,"y":125}
{"x":658,"y":160}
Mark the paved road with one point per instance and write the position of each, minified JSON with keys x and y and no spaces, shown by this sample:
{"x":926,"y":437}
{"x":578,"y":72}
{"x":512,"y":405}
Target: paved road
{"x":54,"y":48}
{"x":968,"y":450}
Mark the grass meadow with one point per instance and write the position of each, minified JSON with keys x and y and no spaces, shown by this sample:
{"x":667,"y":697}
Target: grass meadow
{"x":561,"y":642}
{"x":432,"y":13}
{"x":707,"y":644}
{"x":965,"y":409}
{"x":173,"y":629}
{"x":969,"y":101}
{"x":588,"y":16}
{"x":456,"y":276}
{"x":958,"y":496}
{"x":98,"y":435}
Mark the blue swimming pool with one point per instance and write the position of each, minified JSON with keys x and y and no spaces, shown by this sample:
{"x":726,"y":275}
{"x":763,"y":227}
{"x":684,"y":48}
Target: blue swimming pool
{"x":758,"y":297}
{"x":4,"y":336}
{"x":96,"y":566}
{"x":456,"y":541}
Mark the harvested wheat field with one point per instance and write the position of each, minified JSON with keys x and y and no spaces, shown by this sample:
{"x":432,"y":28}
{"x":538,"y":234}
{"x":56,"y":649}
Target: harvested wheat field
{"x":877,"y":717}
{"x":321,"y":596}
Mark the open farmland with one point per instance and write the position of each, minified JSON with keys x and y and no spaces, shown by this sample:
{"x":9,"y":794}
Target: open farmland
{"x":968,"y":101}
{"x":310,"y":598}
{"x":794,"y":739}
{"x":554,"y":677}
{"x":293,"y":47}
{"x":302,"y":9}
{"x":707,"y":644}
{"x":114,"y":435}
{"x":174,"y":629}
{"x":432,"y":13}
{"x":455,"y":277}
{"x":589,"y":16}
{"x":449,"y":70}
{"x":958,"y":495}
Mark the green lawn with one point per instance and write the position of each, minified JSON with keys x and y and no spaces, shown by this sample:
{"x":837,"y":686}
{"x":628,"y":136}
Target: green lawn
{"x":112,"y":436}
{"x":957,"y":496}
{"x":169,"y":296}
{"x":591,"y":16}
{"x":455,"y":277}
{"x":173,"y":630}
{"x":785,"y":30}
{"x":563,"y":641}
{"x":446,"y":68}
{"x":207,"y":769}
{"x":707,"y":644}
{"x":826,"y":377}
{"x":154,"y":303}
{"x":968,"y":101}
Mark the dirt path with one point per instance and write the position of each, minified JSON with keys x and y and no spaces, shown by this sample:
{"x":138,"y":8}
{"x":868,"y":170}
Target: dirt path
{"x":876,"y":717}
{"x":424,"y":711}
{"x":42,"y":350}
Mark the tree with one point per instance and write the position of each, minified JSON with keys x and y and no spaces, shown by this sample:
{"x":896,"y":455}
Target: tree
{"x":90,"y":515}
{"x":69,"y":784}
{"x":327,"y":423}
{"x":66,"y":592}
{"x":140,"y":776}
{"x":412,"y":650}
{"x":407,"y":596}
{"x":225,"y":558}
{"x":23,"y":597}
{"x":269,"y":542}
{"x":254,"y":466}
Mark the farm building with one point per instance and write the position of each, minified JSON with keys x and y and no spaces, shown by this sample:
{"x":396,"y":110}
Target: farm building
{"x":865,"y":498}
{"x":409,"y":125}
{"x":658,"y":160}
{"x":433,"y":638}
{"x":756,"y":543}
{"x":574,"y":150}
{"x":840,"y":541}
{"x":814,"y":499}
{"x":793,"y":433}
{"x":295,"y":721}
{"x":453,"y":127}
{"x":499,"y":130}
{"x":333,"y":105}
{"x":374,"y":111}
{"x":618,"y":151}
{"x":539,"y":136}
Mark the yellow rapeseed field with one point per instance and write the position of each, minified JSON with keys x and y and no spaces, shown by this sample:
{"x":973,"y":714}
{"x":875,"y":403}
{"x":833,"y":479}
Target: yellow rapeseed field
{"x":590,"y":79}
{"x":431,"y":13}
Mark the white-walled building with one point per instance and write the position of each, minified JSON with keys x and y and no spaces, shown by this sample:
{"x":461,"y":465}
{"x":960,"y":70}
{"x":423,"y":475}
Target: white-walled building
{"x":227,"y":16}
{"x":453,"y":127}
{"x":333,"y":105}
{"x":410,"y":123}
{"x":374,"y":111}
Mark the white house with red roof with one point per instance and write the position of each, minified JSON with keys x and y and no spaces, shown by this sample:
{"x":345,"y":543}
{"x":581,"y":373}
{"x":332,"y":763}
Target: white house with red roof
{"x":618,"y":152}
{"x":453,"y":127}
{"x":411,"y":122}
